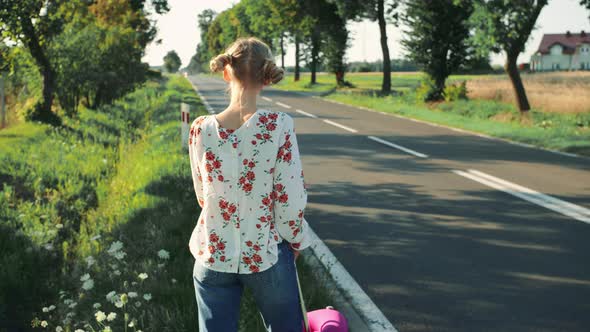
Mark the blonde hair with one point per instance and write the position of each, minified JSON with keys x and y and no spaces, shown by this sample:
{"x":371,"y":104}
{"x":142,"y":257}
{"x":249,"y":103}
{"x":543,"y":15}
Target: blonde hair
{"x":250,"y":61}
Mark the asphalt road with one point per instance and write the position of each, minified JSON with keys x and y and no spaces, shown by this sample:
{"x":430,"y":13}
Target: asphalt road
{"x":437,"y":249}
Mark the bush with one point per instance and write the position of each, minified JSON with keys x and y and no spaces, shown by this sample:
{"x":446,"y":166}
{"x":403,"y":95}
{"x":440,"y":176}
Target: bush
{"x":454,"y":92}
{"x":427,"y":90}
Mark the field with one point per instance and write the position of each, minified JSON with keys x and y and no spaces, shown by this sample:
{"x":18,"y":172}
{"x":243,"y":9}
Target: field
{"x":96,"y":217}
{"x":559,"y":119}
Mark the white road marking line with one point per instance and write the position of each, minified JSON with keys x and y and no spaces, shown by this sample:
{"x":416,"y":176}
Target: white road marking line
{"x":393,"y":145}
{"x":341,"y":126}
{"x":307,"y":114}
{"x":366,"y":308}
{"x":568,"y":209}
{"x":283,"y":105}
{"x":203,"y":100}
{"x":266,"y":98}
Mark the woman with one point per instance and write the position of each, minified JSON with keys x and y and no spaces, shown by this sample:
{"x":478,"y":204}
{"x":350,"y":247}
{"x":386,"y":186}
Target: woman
{"x":249,"y":183}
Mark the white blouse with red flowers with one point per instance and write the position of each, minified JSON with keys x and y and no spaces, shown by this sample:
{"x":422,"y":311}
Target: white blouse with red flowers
{"x":250,"y":186}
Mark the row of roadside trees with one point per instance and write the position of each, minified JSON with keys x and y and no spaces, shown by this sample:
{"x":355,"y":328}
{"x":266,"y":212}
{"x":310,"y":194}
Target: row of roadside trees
{"x":75,"y":50}
{"x":441,"y":37}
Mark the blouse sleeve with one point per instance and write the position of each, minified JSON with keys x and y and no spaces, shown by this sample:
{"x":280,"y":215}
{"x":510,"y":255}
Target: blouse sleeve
{"x":193,"y":145}
{"x":290,"y":192}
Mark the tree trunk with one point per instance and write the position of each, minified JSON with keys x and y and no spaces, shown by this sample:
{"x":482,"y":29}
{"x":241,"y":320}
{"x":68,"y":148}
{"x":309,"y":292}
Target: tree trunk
{"x":297,"y":58}
{"x":282,"y":52}
{"x":43,"y":109}
{"x":315,"y":45}
{"x":386,"y":84}
{"x":519,"y":91}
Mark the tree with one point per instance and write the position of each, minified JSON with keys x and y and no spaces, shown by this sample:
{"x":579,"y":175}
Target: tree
{"x":34,"y":24}
{"x":172,"y":62}
{"x":382,"y":11}
{"x":201,"y":59}
{"x":585,"y":3}
{"x":506,"y":26}
{"x":438,"y":38}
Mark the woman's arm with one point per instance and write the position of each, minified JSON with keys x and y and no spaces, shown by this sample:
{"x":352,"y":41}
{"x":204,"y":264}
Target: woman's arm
{"x":194,"y":141}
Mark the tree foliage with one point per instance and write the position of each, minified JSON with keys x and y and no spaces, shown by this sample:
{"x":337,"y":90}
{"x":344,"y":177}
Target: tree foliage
{"x":437,"y":39}
{"x":172,"y":62}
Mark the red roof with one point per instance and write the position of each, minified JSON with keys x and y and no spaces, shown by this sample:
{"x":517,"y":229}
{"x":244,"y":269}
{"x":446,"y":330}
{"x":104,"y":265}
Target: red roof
{"x":568,"y":41}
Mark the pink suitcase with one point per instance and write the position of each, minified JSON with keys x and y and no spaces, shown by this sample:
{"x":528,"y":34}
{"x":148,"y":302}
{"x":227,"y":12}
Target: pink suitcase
{"x":321,"y":320}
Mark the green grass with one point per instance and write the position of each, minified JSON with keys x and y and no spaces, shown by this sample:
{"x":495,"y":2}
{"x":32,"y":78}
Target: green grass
{"x":564,"y":132}
{"x":113,"y":174}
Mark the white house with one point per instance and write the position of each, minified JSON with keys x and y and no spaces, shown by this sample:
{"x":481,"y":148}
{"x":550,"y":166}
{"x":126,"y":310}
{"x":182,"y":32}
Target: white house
{"x":566,"y":51}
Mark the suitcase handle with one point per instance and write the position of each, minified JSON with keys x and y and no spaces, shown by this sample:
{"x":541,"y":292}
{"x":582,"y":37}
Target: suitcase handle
{"x":303,"y":310}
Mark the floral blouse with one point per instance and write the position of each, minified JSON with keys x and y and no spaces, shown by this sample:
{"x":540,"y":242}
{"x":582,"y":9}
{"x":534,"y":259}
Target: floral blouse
{"x":250,"y":186}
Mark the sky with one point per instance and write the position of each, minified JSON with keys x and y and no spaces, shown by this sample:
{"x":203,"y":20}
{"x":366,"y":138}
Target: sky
{"x":179,"y":31}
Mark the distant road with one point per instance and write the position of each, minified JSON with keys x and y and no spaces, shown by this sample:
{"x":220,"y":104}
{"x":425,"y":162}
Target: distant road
{"x":444,"y":230}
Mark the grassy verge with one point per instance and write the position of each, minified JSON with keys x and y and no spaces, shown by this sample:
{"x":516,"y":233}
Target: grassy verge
{"x":96,"y":217}
{"x":569,"y":132}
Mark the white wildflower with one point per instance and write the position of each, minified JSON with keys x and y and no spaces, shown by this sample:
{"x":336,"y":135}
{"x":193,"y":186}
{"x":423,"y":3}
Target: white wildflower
{"x":111,"y":316}
{"x":143,"y":276}
{"x":147,"y":296}
{"x":96,"y":305}
{"x":117,"y":272}
{"x":59,"y":226}
{"x":48,"y":246}
{"x":85,"y":277}
{"x":79,"y":330}
{"x":115,"y":246}
{"x":107,"y":329}
{"x":173,"y":280}
{"x":119,"y":255}
{"x":59,"y":329}
{"x":51,"y":307}
{"x":73,"y":305}
{"x":100,"y":316}
{"x":111,"y":296}
{"x":118,"y":304}
{"x":90,"y":261}
{"x":132,"y":294}
{"x":45,"y":309}
{"x":163,"y":254}
{"x":44,"y":323}
{"x":88,"y":284}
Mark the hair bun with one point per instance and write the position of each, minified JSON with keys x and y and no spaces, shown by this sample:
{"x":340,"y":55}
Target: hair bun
{"x":219,"y":62}
{"x":271,"y":73}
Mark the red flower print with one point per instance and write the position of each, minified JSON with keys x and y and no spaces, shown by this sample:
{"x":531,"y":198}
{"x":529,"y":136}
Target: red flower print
{"x":245,"y":162}
{"x":223,"y":134}
{"x":208,"y":168}
{"x":254,"y":268}
{"x":209,"y":178}
{"x":216,"y":163}
{"x":220,"y":177}
{"x":283,"y":198}
{"x":259,"y":135}
{"x":249,"y":243}
{"x":257,"y":248}
{"x":213,"y":237}
{"x":253,"y":142}
{"x":250,"y":175}
{"x":222,"y":258}
{"x":273,"y":116}
{"x":211,"y":249}
{"x":226,"y":216}
{"x":262,"y":218}
{"x":232,"y":208}
{"x":266,"y":136}
{"x":247,"y":260}
{"x":270,"y":126}
{"x":223,"y":204}
{"x":209,"y":155}
{"x":220,"y":246}
{"x":200,"y":252}
{"x":291,"y":222}
{"x":256,"y":258}
{"x":266,"y":201}
{"x":258,"y":226}
{"x":248,"y":187}
{"x":211,"y":260}
{"x":279,"y":187}
{"x":251,"y":164}
{"x":264,"y":119}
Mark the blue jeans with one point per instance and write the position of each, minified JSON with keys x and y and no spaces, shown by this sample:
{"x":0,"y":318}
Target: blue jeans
{"x":274,"y":290}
